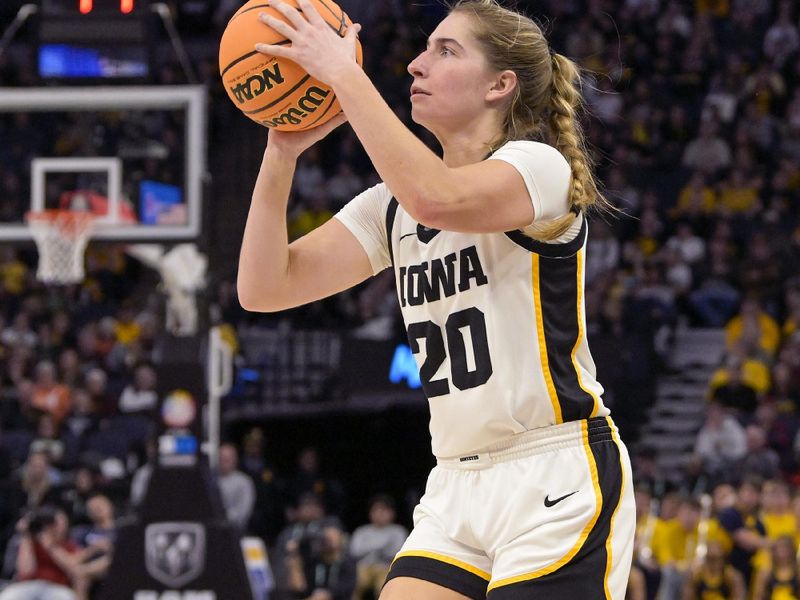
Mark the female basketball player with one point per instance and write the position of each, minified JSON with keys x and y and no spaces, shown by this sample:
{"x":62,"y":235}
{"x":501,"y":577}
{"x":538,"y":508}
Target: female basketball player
{"x":531,"y":496}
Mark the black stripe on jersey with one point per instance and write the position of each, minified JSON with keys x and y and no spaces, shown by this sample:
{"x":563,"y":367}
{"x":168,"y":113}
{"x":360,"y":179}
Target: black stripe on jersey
{"x":550,"y":250}
{"x":558,"y":293}
{"x":391,"y":211}
{"x":441,"y":573}
{"x":584,"y":576}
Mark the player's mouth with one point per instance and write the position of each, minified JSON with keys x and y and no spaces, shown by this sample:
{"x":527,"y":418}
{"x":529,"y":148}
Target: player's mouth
{"x":417,"y":91}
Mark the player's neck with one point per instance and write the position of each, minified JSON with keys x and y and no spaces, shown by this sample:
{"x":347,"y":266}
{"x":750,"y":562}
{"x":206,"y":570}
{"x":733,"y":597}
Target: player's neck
{"x":469,"y":143}
{"x":461,"y":152}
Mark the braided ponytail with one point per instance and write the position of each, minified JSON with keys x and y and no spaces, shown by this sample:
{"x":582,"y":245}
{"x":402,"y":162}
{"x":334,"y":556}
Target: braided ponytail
{"x":564,"y":132}
{"x":545,"y":104}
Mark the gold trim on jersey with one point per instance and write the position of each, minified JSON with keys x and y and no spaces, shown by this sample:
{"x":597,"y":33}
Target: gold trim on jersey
{"x":581,"y":333}
{"x":446,"y":559}
{"x":548,"y":376}
{"x":584,"y":533}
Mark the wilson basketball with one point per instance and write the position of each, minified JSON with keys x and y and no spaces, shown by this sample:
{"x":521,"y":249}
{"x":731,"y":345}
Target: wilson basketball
{"x":276,"y":92}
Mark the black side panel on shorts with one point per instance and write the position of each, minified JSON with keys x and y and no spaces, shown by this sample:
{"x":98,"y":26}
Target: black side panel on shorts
{"x":440,"y":573}
{"x":583,"y":577}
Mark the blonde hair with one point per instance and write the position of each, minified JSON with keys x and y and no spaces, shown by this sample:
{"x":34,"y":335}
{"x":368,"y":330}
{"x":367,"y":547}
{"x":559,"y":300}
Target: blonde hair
{"x":545,"y":103}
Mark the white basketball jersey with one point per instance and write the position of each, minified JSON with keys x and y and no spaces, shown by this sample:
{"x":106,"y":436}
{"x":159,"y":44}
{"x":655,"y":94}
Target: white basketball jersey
{"x":496,"y":323}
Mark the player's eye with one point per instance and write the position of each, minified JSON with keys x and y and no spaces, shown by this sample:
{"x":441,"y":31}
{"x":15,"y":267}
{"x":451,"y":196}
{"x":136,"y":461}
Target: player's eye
{"x":445,"y":51}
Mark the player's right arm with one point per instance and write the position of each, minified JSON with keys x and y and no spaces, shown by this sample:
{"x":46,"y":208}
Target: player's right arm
{"x":274,"y":275}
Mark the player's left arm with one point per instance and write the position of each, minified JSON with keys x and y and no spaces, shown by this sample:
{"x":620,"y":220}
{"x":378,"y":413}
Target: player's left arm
{"x":485,"y":197}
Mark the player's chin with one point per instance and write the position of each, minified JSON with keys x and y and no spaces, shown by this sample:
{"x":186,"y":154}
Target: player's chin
{"x":420,"y":117}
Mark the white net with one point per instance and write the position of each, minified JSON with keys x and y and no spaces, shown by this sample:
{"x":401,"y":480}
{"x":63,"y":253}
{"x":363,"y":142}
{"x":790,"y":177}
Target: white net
{"x":61,"y":237}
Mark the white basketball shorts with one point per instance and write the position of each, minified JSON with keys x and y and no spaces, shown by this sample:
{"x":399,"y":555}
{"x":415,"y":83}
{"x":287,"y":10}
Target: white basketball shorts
{"x":547,"y":514}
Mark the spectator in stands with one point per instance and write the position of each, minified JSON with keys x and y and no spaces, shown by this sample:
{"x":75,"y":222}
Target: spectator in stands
{"x":268,"y":512}
{"x":375,"y":545}
{"x":97,"y":540}
{"x":690,"y":247}
{"x":729,"y":388}
{"x":126,"y":327}
{"x":715,"y":578}
{"x":646,"y":523}
{"x":697,"y":200}
{"x":19,"y":334}
{"x":759,"y":460}
{"x":237,"y":489}
{"x":776,"y":510}
{"x":761,"y":273}
{"x":74,"y":498}
{"x":49,"y":396}
{"x":674,"y":547}
{"x":744,"y":527}
{"x":60,"y":448}
{"x":752,"y":368}
{"x":739,"y":196}
{"x":83,"y":419}
{"x":708,"y":152}
{"x":779,"y":577}
{"x":44,"y":559}
{"x":69,"y":366}
{"x":719,"y":444}
{"x":329,"y":574}
{"x":96,"y":383}
{"x":723,"y":496}
{"x":307,"y":521}
{"x":782,"y":39}
{"x":781,"y":427}
{"x":101,"y":513}
{"x":715,"y":301}
{"x":140,"y":395}
{"x":309,"y":478}
{"x":38,"y":480}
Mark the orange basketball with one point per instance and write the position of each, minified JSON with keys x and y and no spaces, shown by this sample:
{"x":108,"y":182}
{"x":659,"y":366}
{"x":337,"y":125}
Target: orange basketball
{"x":276,"y":92}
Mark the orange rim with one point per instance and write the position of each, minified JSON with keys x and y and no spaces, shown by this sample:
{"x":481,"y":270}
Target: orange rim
{"x":67,"y":222}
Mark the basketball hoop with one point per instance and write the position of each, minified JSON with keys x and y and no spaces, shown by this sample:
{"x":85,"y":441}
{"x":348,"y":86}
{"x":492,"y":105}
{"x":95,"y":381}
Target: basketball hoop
{"x":61,"y":237}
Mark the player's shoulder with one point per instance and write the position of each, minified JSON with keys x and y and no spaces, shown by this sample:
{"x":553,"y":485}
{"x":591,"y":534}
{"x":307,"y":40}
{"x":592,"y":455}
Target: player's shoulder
{"x":378,"y":193}
{"x":531,"y":148}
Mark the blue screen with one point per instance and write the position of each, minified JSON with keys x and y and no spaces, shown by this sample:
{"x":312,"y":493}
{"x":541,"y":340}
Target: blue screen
{"x":67,"y":61}
{"x":157,"y":200}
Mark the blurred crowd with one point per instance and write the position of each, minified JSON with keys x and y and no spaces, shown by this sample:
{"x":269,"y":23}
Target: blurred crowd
{"x":694,"y":118}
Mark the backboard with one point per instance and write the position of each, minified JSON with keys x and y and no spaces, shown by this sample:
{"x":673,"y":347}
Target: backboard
{"x":135,"y":156}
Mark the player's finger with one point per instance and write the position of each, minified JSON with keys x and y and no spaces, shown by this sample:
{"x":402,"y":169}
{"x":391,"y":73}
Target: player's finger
{"x":273,"y":50}
{"x":291,"y":14}
{"x":311,"y":13}
{"x":281,"y":27}
{"x":352,"y":32}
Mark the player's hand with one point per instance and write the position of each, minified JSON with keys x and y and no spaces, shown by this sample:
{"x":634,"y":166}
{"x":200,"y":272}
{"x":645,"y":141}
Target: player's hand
{"x":316,"y":47}
{"x":294,"y":143}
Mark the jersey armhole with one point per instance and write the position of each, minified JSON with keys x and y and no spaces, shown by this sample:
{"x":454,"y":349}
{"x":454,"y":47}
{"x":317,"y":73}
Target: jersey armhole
{"x":564,"y":250}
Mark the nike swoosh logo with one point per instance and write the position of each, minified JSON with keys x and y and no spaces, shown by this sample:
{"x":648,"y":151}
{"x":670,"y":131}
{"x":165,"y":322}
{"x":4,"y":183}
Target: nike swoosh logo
{"x":548,"y":503}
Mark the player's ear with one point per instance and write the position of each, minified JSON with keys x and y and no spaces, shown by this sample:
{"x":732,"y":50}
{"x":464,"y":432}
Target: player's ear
{"x":503,"y":86}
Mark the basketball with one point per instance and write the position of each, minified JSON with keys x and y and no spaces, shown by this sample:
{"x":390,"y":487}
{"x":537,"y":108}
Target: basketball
{"x":276,"y":92}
